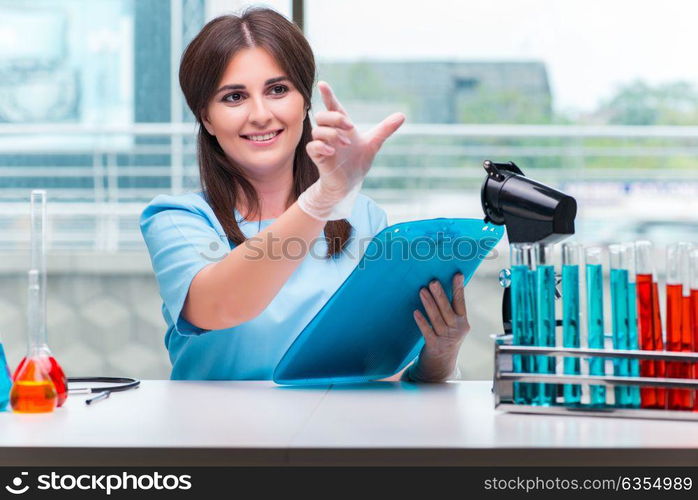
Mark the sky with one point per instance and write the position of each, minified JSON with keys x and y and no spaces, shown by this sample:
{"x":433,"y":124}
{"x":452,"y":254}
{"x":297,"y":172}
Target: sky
{"x":590,"y":47}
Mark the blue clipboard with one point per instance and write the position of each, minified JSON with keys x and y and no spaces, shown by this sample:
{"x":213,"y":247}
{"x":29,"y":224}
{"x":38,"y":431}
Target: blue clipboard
{"x":366,"y":330}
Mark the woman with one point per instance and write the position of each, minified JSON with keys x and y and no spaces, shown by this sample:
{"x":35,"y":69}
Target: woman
{"x":243,"y":257}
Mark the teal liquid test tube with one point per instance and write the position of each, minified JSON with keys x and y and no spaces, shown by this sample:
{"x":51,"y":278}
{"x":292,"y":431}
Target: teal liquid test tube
{"x":628,"y":263}
{"x":620,"y":321}
{"x":595,"y":319}
{"x":523,"y":257}
{"x":545,"y":321}
{"x":5,"y":380}
{"x":571,"y":260}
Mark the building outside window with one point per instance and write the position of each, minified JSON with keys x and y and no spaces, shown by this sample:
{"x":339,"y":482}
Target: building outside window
{"x":91,"y":111}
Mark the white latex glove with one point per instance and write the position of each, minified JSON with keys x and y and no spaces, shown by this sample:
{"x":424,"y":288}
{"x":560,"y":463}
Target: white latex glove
{"x":343,"y":157}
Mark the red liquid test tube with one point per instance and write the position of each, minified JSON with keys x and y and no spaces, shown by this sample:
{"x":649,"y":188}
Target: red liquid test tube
{"x":694,"y":315}
{"x":649,"y":324}
{"x":679,"y":331}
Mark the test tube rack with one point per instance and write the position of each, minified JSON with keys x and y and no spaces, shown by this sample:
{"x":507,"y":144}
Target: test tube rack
{"x":504,"y":379}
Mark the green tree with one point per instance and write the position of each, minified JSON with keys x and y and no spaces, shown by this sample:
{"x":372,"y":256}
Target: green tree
{"x":639,"y":103}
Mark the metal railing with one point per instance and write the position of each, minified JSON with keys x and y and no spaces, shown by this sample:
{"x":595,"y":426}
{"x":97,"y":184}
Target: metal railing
{"x":100,"y":177}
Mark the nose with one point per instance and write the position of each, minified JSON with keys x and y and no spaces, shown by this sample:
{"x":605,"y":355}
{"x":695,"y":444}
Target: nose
{"x":260,"y":114}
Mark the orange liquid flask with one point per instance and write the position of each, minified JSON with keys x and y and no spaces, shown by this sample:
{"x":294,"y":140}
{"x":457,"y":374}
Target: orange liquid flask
{"x":55,"y":372}
{"x":39,"y":358}
{"x":33,"y":391}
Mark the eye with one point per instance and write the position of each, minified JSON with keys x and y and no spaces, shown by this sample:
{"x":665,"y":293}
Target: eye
{"x":234,"y":97}
{"x":279,"y":89}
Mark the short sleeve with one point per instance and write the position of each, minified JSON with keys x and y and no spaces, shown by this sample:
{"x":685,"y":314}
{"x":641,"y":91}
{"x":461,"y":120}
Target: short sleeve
{"x":379,"y":219}
{"x":181,"y":241}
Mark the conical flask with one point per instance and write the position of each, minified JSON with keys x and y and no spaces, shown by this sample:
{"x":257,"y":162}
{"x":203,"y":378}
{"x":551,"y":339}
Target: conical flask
{"x":33,"y":390}
{"x":38,"y":349}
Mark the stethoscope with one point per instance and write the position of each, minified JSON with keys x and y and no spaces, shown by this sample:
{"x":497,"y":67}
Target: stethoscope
{"x":121,"y":384}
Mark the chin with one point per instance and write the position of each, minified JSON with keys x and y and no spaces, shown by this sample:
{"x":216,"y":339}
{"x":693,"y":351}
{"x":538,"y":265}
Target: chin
{"x":263,"y":162}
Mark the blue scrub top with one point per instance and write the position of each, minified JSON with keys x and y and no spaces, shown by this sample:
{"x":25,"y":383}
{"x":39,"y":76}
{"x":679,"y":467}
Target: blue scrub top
{"x":183,"y":236}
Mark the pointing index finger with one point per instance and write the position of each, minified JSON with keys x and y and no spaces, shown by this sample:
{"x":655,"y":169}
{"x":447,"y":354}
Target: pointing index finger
{"x":328,"y":97}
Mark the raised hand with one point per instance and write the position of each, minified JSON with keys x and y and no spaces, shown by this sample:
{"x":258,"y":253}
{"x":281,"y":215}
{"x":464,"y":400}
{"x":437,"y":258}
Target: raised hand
{"x":343,"y":156}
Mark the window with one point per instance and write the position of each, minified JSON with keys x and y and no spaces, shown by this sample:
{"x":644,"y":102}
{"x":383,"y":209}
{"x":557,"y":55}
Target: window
{"x":601,"y":103}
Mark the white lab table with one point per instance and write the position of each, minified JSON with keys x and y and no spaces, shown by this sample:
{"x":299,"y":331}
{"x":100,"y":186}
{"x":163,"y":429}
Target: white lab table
{"x":258,"y":423}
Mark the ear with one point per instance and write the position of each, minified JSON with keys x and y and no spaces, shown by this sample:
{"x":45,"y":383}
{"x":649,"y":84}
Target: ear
{"x":206,"y":123}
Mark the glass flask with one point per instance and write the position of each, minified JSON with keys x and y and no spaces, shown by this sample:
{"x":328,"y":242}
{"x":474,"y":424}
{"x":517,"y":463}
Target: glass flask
{"x":39,"y":358}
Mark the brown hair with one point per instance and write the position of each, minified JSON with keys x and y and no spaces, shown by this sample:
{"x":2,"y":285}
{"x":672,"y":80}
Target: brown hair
{"x":202,"y":66}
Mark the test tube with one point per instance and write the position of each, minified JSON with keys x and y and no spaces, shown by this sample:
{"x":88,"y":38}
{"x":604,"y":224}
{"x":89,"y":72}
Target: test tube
{"x":694,"y":315}
{"x":679,"y":331}
{"x":649,"y":323}
{"x":545,"y":320}
{"x":571,"y":260}
{"x":628,"y":263}
{"x":523,"y":258}
{"x":620,"y":320}
{"x":5,"y":380}
{"x":595,"y":320}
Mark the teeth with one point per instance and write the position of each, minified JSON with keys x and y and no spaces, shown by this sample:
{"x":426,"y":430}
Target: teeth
{"x":264,"y":137}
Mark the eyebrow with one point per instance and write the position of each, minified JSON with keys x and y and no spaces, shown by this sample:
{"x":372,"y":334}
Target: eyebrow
{"x":237,"y":86}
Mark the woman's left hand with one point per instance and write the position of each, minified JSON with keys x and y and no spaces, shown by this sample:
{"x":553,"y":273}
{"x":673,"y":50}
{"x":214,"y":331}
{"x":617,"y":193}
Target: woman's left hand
{"x":444,"y":331}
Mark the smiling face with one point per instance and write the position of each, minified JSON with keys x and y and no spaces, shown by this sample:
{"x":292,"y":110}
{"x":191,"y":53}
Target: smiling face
{"x":256,"y":113}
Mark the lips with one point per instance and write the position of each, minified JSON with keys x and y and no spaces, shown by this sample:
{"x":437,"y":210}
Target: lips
{"x":266,"y":137}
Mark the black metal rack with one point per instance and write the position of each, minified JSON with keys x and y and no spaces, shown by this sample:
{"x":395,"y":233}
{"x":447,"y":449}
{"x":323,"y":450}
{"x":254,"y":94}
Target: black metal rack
{"x":504,"y":380}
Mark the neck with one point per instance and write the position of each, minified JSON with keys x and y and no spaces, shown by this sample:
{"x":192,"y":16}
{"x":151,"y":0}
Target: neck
{"x":273,"y":188}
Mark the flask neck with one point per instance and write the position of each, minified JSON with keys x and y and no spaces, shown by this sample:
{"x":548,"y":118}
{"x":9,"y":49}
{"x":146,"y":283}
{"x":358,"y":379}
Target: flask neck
{"x":38,"y":349}
{"x":36,"y":311}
